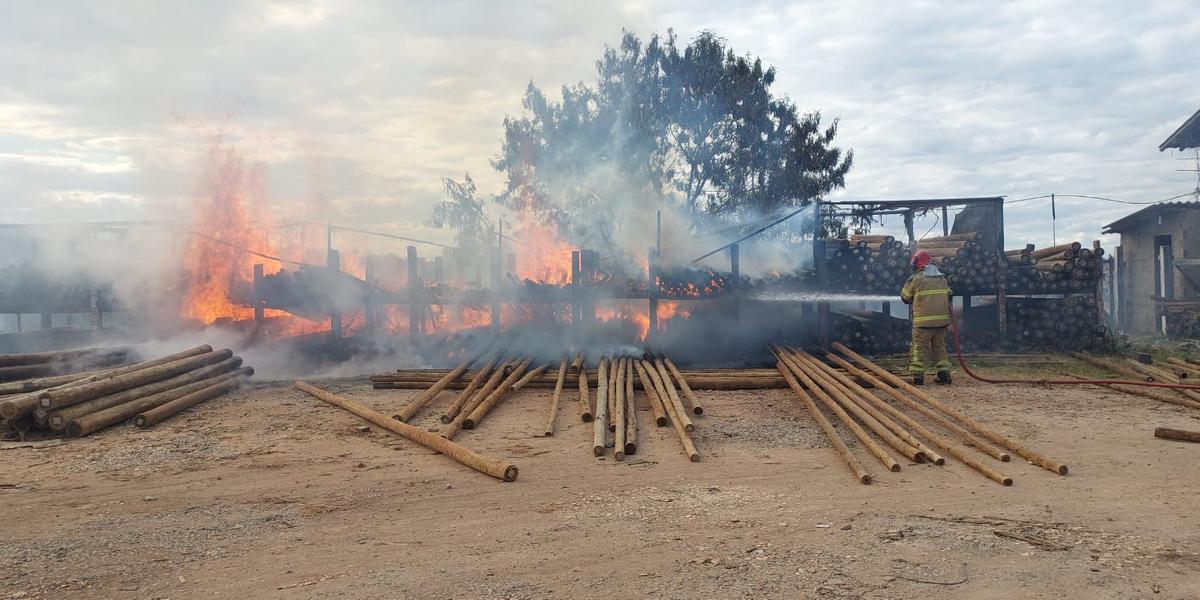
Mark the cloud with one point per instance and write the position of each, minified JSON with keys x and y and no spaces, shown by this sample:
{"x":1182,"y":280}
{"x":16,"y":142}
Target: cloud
{"x":357,"y":110}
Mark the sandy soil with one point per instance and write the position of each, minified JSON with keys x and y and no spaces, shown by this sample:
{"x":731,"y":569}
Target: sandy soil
{"x":269,"y":493}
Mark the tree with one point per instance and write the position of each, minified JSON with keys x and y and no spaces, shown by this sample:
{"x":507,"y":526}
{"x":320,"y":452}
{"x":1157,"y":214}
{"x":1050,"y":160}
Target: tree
{"x":464,"y":212}
{"x":696,"y":128}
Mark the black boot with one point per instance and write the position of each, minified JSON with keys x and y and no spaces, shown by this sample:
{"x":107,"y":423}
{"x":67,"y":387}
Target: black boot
{"x":943,"y":377}
{"x":919,"y":379}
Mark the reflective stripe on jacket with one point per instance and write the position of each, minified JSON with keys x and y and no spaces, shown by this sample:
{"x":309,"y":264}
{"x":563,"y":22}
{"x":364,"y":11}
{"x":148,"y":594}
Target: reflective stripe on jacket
{"x":929,"y":294}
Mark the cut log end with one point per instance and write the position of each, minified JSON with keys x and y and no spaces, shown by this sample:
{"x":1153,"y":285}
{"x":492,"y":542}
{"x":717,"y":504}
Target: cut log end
{"x":661,"y":421}
{"x":510,"y":473}
{"x":919,"y":457}
{"x":619,"y":454}
{"x":548,"y":433}
{"x":598,"y":450}
{"x":894,"y":468}
{"x":940,"y":461}
{"x":697,"y":410}
{"x":865,"y":479}
{"x":1005,"y":457}
{"x":444,"y":418}
{"x":689,"y":428}
{"x":141,"y":422}
{"x":630,"y":448}
{"x":1006,"y":482}
{"x":586,"y":417}
{"x":694,"y":457}
{"x":1061,"y":470}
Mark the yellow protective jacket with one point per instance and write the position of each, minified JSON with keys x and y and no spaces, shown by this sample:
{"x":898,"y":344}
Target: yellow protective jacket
{"x":929,"y":294}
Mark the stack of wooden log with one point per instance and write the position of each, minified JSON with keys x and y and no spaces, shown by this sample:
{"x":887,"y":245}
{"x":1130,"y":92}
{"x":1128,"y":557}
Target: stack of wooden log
{"x":1063,"y":268}
{"x":148,"y":392}
{"x":28,"y":372}
{"x":700,"y":379}
{"x":867,"y":263}
{"x":1183,"y":320}
{"x":1171,"y":370}
{"x":969,"y":266}
{"x":1067,"y":323}
{"x":869,"y":331}
{"x":615,"y":410}
{"x":890,"y":421}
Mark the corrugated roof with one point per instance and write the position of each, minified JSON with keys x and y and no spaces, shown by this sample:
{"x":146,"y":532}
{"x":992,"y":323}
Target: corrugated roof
{"x":1187,"y":136}
{"x":1154,"y":210}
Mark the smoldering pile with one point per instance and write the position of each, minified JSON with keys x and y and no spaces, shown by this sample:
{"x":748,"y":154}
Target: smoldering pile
{"x":149,"y":391}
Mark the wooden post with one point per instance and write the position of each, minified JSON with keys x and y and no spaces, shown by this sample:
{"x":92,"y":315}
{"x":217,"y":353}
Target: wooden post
{"x":258,"y":297}
{"x":333,"y":262}
{"x":908,"y":227}
{"x":415,"y":310}
{"x":945,"y":221}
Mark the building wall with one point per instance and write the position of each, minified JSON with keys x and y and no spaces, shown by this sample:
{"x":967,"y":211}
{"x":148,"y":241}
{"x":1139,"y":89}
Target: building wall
{"x":1138,"y":252}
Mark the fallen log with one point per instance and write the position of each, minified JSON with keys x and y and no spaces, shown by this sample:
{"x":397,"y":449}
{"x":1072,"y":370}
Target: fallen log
{"x":456,"y":424}
{"x":838,"y":445}
{"x":1181,"y":435}
{"x":585,"y":408}
{"x":412,"y":408}
{"x":62,"y":356}
{"x":673,"y":395}
{"x":660,"y":417}
{"x":484,"y":464}
{"x":612,"y":395}
{"x":552,"y":412}
{"x":530,"y":376}
{"x":456,"y":407}
{"x":631,"y":426}
{"x":863,"y":437}
{"x":162,"y":412}
{"x":688,"y":396}
{"x":619,"y":417}
{"x":41,"y":383}
{"x":966,"y":436}
{"x":490,"y":402}
{"x":90,"y":423}
{"x":601,"y":416}
{"x":1026,"y":453}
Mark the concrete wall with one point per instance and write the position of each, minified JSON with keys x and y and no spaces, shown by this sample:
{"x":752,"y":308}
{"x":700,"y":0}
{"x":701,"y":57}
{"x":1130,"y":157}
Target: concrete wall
{"x":1137,"y":280}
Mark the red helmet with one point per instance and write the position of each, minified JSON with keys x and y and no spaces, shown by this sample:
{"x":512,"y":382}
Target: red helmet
{"x":920,"y":259}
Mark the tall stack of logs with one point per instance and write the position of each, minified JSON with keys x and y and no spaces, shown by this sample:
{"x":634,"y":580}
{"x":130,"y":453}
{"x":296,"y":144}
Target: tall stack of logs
{"x":869,"y":331}
{"x":867,"y":262}
{"x":1070,"y":322}
{"x":969,"y":266}
{"x":147,"y":392}
{"x":1056,"y":269}
{"x":1183,"y":320}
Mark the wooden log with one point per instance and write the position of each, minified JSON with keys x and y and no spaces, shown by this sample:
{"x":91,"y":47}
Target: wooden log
{"x":937,"y":440}
{"x":456,"y":424}
{"x":585,"y":406}
{"x":689,"y":397}
{"x":57,"y":420}
{"x":631,"y":424}
{"x":62,"y":356}
{"x":673,"y":395}
{"x":163,"y":412}
{"x":863,"y":399}
{"x":600,"y":424}
{"x":1164,"y":376}
{"x":528,"y":377}
{"x":1181,"y":435}
{"x":577,"y":364}
{"x":838,"y":445}
{"x":1110,"y":366}
{"x":957,"y":237}
{"x":660,"y":416}
{"x":685,"y":441}
{"x":612,"y":396}
{"x":484,"y":464}
{"x":412,"y":408}
{"x":487,"y":404}
{"x":863,"y":437}
{"x":469,"y":391}
{"x":552,"y":411}
{"x":41,"y":383}
{"x":839,"y":394}
{"x":1183,"y":365}
{"x":1026,"y":453}
{"x":60,"y":397}
{"x":93,"y":422}
{"x":1052,"y":250}
{"x":619,"y":417}
{"x":1143,"y":392}
{"x":19,"y":372}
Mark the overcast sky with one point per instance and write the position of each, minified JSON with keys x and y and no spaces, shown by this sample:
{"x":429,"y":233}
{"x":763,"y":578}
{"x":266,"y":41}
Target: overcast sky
{"x":357,"y":110}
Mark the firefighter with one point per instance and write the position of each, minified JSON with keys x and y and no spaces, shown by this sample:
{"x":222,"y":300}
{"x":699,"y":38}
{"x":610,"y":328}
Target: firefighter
{"x":928,"y":292}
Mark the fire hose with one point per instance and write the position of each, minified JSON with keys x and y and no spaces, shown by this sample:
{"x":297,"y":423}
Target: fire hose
{"x":962,"y":362}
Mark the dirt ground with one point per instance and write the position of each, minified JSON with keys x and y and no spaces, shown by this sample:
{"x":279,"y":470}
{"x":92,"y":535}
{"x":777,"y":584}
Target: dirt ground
{"x":269,"y":493}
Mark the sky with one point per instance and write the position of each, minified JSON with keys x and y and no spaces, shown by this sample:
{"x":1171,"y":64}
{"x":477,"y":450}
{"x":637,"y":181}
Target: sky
{"x":356,"y":111}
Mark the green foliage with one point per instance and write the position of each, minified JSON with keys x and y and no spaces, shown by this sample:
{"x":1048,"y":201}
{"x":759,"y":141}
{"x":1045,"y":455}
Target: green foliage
{"x":464,"y":212}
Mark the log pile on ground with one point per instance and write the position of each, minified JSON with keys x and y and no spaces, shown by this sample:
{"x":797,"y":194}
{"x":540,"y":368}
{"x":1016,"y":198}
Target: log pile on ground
{"x":1057,"y":269}
{"x":699,"y":379}
{"x":870,"y":331}
{"x":29,"y":372}
{"x":867,"y":263}
{"x":1183,"y":320}
{"x":970,"y":267}
{"x":148,"y":392}
{"x":887,"y":426}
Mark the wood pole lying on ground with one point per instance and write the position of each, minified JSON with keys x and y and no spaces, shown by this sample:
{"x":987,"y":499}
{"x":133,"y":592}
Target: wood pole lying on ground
{"x":600,"y":424}
{"x":577,"y":364}
{"x":846,"y":402}
{"x":1182,"y":435}
{"x":688,"y":395}
{"x":631,"y":427}
{"x":1147,"y":393}
{"x":552,"y":411}
{"x":530,"y":376}
{"x":55,"y":398}
{"x":966,"y":436}
{"x":411,"y":409}
{"x":1026,"y":453}
{"x":484,"y":464}
{"x":1184,"y":365}
{"x":863,"y":437}
{"x":660,"y":392}
{"x":41,"y":383}
{"x":1096,"y":361}
{"x":937,"y":440}
{"x":456,"y":424}
{"x":465,"y":395}
{"x":673,"y":395}
{"x":855,"y":467}
{"x":1165,"y":376}
{"x":612,"y":396}
{"x":660,"y":417}
{"x":160,"y":413}
{"x":619,"y":418}
{"x":58,"y":420}
{"x":859,"y":396}
{"x":585,"y":405}
{"x":487,"y":404}
{"x":685,"y":440}
{"x":100,"y":419}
